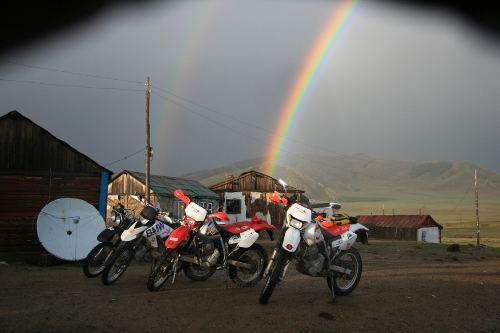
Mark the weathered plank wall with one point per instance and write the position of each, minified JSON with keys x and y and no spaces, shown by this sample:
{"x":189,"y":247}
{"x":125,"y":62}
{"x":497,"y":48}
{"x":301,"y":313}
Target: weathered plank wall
{"x":251,"y":181}
{"x":22,"y":198}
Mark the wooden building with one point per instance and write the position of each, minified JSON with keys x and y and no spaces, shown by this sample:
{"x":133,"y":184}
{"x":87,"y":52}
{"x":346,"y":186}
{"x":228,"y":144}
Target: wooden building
{"x":244,"y":195}
{"x":422,"y":228}
{"x":35,"y":169}
{"x":128,"y":183}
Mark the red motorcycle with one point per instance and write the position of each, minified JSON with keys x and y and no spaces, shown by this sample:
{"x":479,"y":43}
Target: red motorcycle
{"x":200,"y":246}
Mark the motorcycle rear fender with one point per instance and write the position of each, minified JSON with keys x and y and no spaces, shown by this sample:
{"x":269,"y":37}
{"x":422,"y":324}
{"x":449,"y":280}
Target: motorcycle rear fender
{"x":291,"y":239}
{"x":177,"y":237}
{"x":361,"y":231}
{"x":247,"y":238}
{"x":108,"y":233}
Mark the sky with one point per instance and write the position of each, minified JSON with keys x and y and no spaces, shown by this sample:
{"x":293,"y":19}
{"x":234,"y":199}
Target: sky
{"x":402,"y":82}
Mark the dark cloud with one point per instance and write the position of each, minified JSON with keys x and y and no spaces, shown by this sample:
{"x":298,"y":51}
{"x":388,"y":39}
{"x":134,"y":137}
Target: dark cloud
{"x":402,"y":83}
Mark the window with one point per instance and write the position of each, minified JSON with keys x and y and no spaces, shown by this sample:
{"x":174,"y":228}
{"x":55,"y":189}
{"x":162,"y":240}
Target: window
{"x":179,"y":207}
{"x":207,"y":206}
{"x":233,"y":206}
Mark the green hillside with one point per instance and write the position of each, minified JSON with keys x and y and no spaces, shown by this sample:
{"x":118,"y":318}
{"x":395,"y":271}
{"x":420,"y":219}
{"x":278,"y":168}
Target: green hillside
{"x":367,"y":185}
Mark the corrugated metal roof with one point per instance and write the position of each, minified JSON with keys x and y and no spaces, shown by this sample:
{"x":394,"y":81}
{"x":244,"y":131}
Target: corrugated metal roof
{"x":165,"y":186}
{"x":399,"y":221}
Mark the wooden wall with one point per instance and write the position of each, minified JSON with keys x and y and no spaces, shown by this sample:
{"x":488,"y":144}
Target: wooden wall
{"x":22,"y":198}
{"x":392,"y":233}
{"x":251,"y":181}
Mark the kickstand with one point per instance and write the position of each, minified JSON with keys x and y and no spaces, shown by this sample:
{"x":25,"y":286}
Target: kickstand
{"x":332,"y":290}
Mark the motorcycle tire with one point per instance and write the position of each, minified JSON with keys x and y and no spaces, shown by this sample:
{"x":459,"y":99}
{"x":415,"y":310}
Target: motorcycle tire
{"x":354,"y":280}
{"x":118,"y":264}
{"x":91,"y":265}
{"x":259,"y":261}
{"x":160,"y":271}
{"x":274,"y":277}
{"x":197,"y":273}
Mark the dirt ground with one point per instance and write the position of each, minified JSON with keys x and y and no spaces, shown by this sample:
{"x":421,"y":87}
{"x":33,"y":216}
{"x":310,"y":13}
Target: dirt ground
{"x":405,"y":287}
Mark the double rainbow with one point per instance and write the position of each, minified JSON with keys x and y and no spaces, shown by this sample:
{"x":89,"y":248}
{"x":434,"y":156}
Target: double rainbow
{"x":320,"y":53}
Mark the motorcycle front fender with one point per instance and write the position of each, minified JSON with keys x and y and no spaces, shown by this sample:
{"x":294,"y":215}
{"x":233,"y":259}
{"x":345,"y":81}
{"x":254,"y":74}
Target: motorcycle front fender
{"x":291,"y":240}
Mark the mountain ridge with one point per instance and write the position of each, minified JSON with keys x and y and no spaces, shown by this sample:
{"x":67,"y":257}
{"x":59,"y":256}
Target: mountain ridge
{"x":364,"y":178}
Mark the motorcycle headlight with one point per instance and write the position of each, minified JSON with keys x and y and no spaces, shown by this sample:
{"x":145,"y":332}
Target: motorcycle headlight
{"x":115,"y":218}
{"x":296,"y":223}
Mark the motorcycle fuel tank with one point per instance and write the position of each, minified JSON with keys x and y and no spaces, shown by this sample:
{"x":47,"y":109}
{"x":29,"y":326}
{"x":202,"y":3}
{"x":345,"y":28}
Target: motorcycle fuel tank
{"x":312,"y":234}
{"x":132,"y":233}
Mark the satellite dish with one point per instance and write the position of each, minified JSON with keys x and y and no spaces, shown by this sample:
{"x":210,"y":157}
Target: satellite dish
{"x":68,"y":228}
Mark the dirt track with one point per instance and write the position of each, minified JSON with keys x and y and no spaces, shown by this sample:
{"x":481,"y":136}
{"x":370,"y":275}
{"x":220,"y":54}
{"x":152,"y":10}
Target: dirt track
{"x":404,"y":288}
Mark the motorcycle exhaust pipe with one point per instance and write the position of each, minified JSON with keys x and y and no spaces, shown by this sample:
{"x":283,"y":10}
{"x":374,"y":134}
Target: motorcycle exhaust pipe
{"x":240,"y":264}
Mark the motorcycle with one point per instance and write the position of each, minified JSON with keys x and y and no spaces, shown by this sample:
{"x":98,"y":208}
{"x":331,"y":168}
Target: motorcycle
{"x":153,"y":225}
{"x":109,"y":239}
{"x":200,"y":246}
{"x":319,"y":250}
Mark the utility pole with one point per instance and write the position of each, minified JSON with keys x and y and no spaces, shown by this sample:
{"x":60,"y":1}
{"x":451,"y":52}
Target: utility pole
{"x":478,"y":230}
{"x":148,"y":138}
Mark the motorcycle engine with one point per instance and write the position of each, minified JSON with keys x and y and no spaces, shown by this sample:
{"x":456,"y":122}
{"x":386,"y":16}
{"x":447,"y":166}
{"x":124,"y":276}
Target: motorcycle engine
{"x":209,"y":253}
{"x":312,"y":262}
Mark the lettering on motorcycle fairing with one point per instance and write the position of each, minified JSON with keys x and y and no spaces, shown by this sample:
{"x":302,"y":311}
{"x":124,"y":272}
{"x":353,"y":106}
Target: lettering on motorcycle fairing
{"x":154,"y":229}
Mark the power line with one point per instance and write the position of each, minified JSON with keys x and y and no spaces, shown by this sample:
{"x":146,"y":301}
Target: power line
{"x":259,"y":140}
{"x":125,"y":157}
{"x":247,"y":123}
{"x":51,"y":69}
{"x":68,"y":85}
{"x":199,"y":105}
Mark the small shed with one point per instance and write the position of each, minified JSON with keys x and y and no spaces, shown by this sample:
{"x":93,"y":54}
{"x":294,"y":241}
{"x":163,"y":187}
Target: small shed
{"x":421,"y":228}
{"x":128,"y":183}
{"x":245,"y":195}
{"x":35,"y":169}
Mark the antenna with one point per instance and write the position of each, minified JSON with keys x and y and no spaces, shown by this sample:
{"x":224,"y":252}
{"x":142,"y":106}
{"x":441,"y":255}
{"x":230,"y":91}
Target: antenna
{"x":148,"y":140}
{"x":68,"y":228}
{"x":476,"y":189}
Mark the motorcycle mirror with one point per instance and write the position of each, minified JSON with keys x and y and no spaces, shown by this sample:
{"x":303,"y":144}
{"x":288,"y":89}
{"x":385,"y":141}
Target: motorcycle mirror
{"x":181,"y":196}
{"x":283,"y":183}
{"x":335,"y":205}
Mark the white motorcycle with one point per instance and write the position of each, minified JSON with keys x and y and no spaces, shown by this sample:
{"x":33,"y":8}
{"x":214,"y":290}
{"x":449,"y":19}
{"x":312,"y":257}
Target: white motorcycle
{"x":319,"y":250}
{"x":148,"y":231}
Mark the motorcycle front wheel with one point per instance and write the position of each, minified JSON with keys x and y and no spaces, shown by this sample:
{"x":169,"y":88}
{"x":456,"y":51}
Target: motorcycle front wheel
{"x":275,"y":275}
{"x":95,"y":262}
{"x":255,"y":256}
{"x":161,"y":270}
{"x":118,"y":264}
{"x":344,"y":284}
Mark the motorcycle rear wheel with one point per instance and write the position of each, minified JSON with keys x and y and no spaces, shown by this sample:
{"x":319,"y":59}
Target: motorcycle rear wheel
{"x":345,"y":284}
{"x":161,"y":271}
{"x":254,"y":255}
{"x":118,"y":264}
{"x":275,"y":275}
{"x":95,"y":262}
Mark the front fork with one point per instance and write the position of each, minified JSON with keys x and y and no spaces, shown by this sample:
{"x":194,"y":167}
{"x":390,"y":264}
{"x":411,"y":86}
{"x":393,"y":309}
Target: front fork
{"x":275,"y":253}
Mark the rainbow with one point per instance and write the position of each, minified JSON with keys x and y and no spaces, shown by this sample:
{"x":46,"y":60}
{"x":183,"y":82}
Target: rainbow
{"x":308,"y":73}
